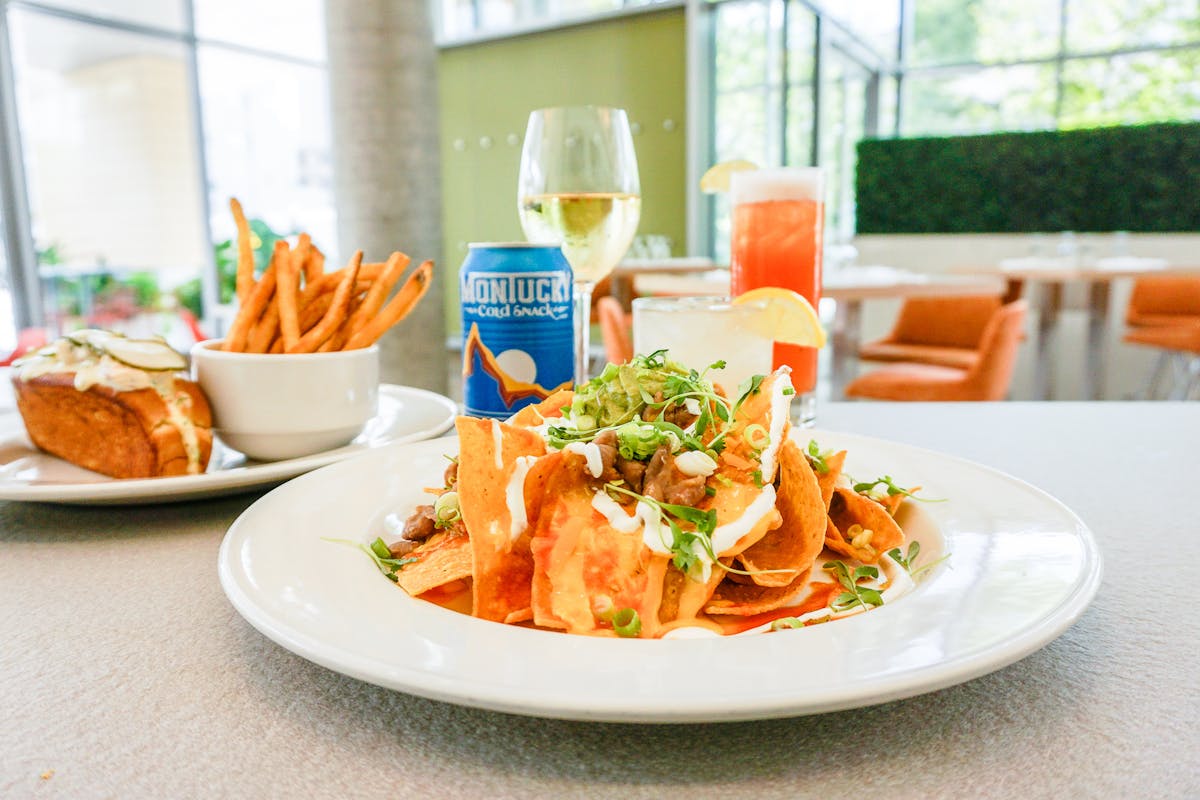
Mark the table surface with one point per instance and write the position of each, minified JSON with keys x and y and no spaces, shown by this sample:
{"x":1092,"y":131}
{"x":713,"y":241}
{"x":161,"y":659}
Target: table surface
{"x":1060,"y":270}
{"x":124,"y":671}
{"x":849,"y":283}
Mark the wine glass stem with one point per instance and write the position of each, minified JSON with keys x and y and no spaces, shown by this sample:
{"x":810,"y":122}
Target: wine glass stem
{"x":583,"y":329}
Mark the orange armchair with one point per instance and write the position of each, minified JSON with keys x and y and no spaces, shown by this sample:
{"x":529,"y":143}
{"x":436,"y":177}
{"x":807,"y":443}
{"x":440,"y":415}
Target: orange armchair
{"x":1164,"y":300}
{"x":943,"y":331}
{"x":1162,"y":312}
{"x":987,"y":378}
{"x":614,"y":330}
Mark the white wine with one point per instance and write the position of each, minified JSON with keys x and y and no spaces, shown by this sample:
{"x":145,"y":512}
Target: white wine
{"x":595,"y":228}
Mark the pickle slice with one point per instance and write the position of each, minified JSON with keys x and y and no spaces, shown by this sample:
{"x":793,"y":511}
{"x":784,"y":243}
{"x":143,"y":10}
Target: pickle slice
{"x":147,"y":354}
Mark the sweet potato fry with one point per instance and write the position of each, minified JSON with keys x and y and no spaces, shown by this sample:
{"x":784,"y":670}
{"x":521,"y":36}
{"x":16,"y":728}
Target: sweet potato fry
{"x":245,"y":261}
{"x":329,"y":281}
{"x":397,"y":308}
{"x":336,"y":314}
{"x":251,"y":311}
{"x":313,"y":312}
{"x":379,"y":291}
{"x":266,"y":330}
{"x":314,"y":266}
{"x":287,"y":291}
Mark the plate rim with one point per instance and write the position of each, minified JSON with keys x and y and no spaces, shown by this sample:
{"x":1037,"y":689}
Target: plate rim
{"x":180,"y":488}
{"x":457,"y":690}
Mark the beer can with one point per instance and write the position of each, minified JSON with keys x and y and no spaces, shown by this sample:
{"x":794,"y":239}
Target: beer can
{"x":517,"y":323}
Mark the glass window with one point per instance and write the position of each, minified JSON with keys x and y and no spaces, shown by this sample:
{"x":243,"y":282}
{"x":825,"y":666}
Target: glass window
{"x":876,"y":23}
{"x":267,"y":142}
{"x":984,"y":31}
{"x":1101,"y":25}
{"x":168,"y":14}
{"x":291,"y":27}
{"x":111,"y":160}
{"x":741,"y":46}
{"x":1129,"y":89}
{"x":8,"y":322}
{"x":979,"y":100}
{"x":843,"y":118}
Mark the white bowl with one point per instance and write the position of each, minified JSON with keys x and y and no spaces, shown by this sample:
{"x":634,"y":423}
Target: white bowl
{"x":275,"y":406}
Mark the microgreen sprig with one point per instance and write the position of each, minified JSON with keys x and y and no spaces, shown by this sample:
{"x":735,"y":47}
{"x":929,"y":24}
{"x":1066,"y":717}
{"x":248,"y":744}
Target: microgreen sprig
{"x":683,"y":545}
{"x":854,"y":595}
{"x":817,"y":457}
{"x":909,"y":560}
{"x":866,"y":487}
{"x":379,"y":553}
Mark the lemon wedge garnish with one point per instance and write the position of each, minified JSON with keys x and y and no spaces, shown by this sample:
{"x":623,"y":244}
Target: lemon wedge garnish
{"x":786,"y":316}
{"x":718,"y":176}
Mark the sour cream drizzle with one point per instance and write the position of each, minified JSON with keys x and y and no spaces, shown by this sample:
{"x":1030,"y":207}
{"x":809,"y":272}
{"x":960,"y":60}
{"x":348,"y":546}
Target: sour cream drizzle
{"x":590,"y":451}
{"x":514,"y":496}
{"x":728,"y":535}
{"x":780,"y":410}
{"x":645,"y":516}
{"x":498,"y":442}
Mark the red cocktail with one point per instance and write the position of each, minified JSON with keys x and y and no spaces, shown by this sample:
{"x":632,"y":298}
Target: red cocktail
{"x":778,"y":225}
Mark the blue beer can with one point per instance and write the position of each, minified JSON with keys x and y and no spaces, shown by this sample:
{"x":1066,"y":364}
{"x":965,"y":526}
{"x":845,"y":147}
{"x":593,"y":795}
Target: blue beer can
{"x":517,"y":323}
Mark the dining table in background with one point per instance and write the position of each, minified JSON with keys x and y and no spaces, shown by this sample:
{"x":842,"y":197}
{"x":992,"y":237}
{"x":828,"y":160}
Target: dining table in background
{"x":849,"y":287}
{"x":125,"y":671}
{"x":1045,"y":280}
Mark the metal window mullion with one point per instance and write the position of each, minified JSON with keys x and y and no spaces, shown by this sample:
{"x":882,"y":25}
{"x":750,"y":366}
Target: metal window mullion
{"x":1058,"y":62}
{"x":814,"y":157}
{"x":209,"y":277}
{"x":19,"y":247}
{"x":700,"y":82}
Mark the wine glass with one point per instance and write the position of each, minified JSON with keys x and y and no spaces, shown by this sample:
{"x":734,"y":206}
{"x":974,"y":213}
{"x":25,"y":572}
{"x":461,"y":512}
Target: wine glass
{"x":579,"y":187}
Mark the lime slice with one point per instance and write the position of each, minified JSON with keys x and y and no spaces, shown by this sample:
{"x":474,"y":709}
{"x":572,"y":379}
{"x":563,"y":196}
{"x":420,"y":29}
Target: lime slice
{"x":718,"y":176}
{"x":148,"y":354}
{"x":786,"y":316}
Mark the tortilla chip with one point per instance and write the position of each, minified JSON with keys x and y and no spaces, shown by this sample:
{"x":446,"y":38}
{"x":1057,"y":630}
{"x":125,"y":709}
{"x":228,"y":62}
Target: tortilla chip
{"x":851,"y":508}
{"x":441,"y":559}
{"x":741,"y":599}
{"x":828,"y":481}
{"x":581,"y":562}
{"x":550,"y":408}
{"x":795,"y":544}
{"x":892,"y":501}
{"x":503,"y":564}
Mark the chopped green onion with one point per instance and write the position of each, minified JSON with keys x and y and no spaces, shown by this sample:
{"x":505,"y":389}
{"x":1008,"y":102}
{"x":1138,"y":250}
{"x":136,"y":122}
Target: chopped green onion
{"x":783,"y":623}
{"x":445,"y":510}
{"x":380,"y":548}
{"x":756,"y":436}
{"x":627,"y":623}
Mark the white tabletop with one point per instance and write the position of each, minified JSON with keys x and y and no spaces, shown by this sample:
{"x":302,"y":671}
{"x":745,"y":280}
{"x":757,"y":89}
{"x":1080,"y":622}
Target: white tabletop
{"x":848,"y":283}
{"x":124,"y":672}
{"x":1070,"y":269}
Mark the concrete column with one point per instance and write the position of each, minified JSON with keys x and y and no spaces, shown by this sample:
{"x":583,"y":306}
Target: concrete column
{"x":383,"y":100}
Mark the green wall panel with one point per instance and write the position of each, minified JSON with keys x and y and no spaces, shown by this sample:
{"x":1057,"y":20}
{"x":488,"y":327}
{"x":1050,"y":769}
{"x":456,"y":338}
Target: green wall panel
{"x":487,"y":90}
{"x":1141,"y":178}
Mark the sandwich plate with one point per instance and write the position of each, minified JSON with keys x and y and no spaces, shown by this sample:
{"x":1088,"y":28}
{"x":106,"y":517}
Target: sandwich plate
{"x":1021,"y":568}
{"x":406,"y":414}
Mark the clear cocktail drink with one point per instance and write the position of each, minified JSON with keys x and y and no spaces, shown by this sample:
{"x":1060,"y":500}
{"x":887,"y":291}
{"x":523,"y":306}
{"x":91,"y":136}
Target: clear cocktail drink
{"x":778,"y":226}
{"x":697,"y":331}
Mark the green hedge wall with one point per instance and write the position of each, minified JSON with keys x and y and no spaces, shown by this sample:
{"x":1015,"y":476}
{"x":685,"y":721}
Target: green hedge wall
{"x":1136,"y":178}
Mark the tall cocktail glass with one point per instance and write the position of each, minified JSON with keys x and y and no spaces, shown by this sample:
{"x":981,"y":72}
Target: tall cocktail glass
{"x":778,"y":227}
{"x":697,"y":331}
{"x":578,"y":186}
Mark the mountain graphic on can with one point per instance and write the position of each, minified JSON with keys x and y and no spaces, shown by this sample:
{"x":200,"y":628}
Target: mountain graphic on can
{"x":517,"y":322}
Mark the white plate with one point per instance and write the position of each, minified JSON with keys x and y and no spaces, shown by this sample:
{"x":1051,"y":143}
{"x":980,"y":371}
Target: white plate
{"x":1022,"y":568}
{"x":405,"y":414}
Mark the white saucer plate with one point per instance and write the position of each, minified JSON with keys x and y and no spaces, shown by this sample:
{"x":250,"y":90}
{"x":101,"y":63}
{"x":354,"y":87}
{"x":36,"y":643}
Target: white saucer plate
{"x":1021,"y":568}
{"x":406,"y":414}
